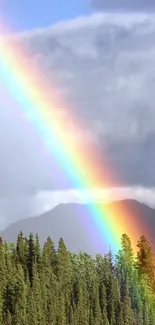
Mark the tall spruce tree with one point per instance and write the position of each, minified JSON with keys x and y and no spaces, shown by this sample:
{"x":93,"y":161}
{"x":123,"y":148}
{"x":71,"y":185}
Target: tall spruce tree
{"x":145,"y":260}
{"x":31,"y":257}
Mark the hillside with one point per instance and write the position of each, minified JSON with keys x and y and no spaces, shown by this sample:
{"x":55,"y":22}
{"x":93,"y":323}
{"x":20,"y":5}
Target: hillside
{"x":70,"y":221}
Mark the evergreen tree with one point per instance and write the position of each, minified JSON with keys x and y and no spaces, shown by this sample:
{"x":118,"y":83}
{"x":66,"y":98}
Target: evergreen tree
{"x":31,"y":257}
{"x":145,"y":260}
{"x":49,"y":255}
{"x":20,"y":303}
{"x":64,"y":272}
{"x":1,"y":308}
{"x":82,"y":309}
{"x":37,"y":296}
{"x":45,"y":286}
{"x":38,"y":254}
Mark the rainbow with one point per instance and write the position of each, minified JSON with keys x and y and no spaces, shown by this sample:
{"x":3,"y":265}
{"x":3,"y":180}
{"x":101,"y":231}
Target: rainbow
{"x":38,"y":105}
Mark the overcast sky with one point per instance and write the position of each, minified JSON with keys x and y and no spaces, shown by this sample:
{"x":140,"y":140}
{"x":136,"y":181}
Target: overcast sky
{"x":122,"y":5}
{"x":104,"y":66}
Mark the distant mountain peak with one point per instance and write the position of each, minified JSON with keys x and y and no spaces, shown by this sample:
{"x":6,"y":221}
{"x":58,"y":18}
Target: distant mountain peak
{"x":66,"y":221}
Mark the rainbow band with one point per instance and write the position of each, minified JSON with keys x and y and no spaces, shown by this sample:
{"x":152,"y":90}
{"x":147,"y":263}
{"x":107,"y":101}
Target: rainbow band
{"x":32,"y":90}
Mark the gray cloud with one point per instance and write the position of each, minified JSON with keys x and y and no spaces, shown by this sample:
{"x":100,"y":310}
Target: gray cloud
{"x":121,"y":5}
{"x":104,"y":66}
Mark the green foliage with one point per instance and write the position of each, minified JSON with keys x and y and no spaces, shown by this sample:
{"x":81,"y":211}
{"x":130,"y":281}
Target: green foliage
{"x":45,"y":286}
{"x":145,"y":260}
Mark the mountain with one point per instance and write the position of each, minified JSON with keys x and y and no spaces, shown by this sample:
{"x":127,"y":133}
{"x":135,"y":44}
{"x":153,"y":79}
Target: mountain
{"x":71,"y":221}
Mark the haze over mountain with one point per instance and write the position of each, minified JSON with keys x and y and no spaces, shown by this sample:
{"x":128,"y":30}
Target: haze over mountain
{"x":72,"y":222}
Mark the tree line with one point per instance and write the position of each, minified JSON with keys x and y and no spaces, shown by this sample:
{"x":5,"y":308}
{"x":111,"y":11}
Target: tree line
{"x":49,"y":286}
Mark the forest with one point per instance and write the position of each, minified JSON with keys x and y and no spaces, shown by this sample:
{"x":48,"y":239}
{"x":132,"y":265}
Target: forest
{"x":52,"y":286}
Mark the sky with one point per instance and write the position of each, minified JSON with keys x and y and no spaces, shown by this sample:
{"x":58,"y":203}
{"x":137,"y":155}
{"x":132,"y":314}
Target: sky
{"x":25,"y":15}
{"x":101,"y":60}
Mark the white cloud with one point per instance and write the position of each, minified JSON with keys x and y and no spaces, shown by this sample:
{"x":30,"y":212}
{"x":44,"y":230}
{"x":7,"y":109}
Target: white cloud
{"x":47,"y":200}
{"x":44,"y":201}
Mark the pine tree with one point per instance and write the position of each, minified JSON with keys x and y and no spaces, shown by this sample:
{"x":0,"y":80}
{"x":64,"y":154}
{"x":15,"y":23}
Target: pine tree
{"x":103,"y":303}
{"x":127,"y":311}
{"x":98,"y":320}
{"x":49,"y":254}
{"x":20,"y":247}
{"x":61,"y":316}
{"x":120,"y":316}
{"x":31,"y":257}
{"x":52,"y":296}
{"x":64,"y":272}
{"x":37,"y":295}
{"x":20,"y":303}
{"x":38,"y":254}
{"x":31,"y":310}
{"x":82,"y":304}
{"x":1,"y":308}
{"x":145,"y":260}
{"x":124,"y":267}
{"x":9,"y":290}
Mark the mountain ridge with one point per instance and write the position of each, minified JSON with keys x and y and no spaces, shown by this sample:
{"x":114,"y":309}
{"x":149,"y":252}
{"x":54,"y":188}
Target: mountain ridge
{"x":74,"y":229}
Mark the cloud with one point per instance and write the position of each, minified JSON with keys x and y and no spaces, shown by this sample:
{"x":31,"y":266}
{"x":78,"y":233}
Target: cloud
{"x":33,"y":205}
{"x":104,"y":64}
{"x":121,"y":5}
{"x":13,"y":208}
{"x":47,"y":200}
{"x":103,"y":67}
